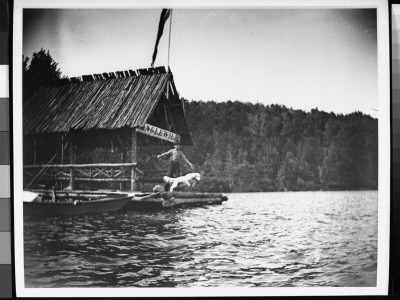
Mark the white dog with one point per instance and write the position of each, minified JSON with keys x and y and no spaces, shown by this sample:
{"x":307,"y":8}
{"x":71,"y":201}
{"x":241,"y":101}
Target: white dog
{"x":189,"y":180}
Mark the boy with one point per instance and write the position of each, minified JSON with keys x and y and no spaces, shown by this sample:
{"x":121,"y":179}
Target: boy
{"x":175,"y":157}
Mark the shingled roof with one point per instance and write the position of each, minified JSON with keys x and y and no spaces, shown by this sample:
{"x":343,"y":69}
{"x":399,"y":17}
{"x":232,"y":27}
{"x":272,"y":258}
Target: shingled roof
{"x":102,"y":101}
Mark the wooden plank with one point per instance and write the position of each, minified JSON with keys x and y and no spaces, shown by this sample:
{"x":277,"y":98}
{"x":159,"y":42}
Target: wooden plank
{"x":83,"y":192}
{"x":150,"y":199}
{"x":96,"y":179}
{"x":98,"y":165}
{"x":195,"y":200}
{"x":190,"y":195}
{"x":200,"y":198}
{"x":87,"y":78}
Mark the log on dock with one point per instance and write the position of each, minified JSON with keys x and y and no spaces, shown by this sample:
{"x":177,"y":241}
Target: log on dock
{"x":176,"y":199}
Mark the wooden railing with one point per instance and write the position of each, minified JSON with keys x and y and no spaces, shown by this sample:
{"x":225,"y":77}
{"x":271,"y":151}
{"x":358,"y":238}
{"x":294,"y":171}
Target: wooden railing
{"x":100,"y":172}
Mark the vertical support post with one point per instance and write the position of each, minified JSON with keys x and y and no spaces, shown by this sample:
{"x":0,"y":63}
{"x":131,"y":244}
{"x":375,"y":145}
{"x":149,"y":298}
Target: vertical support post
{"x":123,"y":160}
{"x":62,"y":154}
{"x":169,"y":125}
{"x":71,"y":161}
{"x":167,"y":94}
{"x":133,"y":179}
{"x":133,"y":159}
{"x":62,"y":149}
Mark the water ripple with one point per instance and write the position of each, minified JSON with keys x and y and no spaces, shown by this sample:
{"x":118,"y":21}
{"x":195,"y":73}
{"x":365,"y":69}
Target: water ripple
{"x":266,"y":239}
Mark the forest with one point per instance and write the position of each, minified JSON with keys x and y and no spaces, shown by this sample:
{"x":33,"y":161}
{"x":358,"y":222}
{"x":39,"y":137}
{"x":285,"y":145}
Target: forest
{"x":245,"y":147}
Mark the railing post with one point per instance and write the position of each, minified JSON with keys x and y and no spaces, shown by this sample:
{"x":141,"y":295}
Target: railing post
{"x":123,"y":159}
{"x":71,"y":161}
{"x":133,"y":159}
{"x":133,"y":179}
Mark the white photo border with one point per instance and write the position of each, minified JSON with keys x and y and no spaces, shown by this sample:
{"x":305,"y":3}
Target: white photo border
{"x":383,"y":131}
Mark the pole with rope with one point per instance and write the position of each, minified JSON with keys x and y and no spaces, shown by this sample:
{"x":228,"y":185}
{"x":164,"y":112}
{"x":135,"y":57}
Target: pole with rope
{"x":169,"y":38}
{"x":169,"y":46}
{"x":165,"y":14}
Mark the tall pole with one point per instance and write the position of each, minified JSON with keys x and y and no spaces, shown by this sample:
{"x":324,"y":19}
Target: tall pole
{"x":169,"y":45}
{"x":169,"y":39}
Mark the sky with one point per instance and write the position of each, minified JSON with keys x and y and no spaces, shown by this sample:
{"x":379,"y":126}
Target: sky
{"x":300,"y":58}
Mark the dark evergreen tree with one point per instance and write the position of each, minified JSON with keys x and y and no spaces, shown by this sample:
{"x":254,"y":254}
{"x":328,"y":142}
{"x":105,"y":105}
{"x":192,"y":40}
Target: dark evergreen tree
{"x":41,"y":71}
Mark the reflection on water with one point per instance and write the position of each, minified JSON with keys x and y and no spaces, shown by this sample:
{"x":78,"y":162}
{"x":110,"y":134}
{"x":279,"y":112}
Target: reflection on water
{"x":264,"y":239}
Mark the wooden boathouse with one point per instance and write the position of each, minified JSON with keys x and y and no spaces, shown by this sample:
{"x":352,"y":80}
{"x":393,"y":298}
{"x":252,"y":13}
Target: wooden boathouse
{"x":91,"y":129}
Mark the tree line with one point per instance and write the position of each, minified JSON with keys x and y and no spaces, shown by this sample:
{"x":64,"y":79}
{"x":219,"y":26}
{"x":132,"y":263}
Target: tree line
{"x":244,"y":147}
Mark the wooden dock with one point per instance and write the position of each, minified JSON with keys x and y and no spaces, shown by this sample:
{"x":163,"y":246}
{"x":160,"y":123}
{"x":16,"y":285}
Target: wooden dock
{"x":138,"y":200}
{"x":165,"y":200}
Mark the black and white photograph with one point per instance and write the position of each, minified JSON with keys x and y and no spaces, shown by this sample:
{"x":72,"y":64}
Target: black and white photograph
{"x":194,"y":148}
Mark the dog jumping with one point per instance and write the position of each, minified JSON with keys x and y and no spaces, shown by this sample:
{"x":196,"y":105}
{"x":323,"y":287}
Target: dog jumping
{"x":183,"y":182}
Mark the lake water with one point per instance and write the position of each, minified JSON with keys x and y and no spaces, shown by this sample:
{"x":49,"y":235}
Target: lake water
{"x":302,"y":239}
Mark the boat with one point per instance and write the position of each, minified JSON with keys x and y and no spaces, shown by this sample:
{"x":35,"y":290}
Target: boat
{"x":166,"y":200}
{"x":71,"y":203}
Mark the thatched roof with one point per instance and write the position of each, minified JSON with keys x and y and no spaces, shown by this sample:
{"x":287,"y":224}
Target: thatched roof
{"x":102,"y":101}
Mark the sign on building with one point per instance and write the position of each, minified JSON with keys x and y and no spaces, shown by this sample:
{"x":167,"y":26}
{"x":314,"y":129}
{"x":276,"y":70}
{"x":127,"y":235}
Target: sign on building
{"x":159,"y":133}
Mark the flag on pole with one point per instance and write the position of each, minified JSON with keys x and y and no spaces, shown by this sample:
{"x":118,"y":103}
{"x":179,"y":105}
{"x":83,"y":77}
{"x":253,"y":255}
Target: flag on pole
{"x":163,"y":18}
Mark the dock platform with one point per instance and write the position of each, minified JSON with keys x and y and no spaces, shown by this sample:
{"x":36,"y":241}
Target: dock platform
{"x":165,"y":200}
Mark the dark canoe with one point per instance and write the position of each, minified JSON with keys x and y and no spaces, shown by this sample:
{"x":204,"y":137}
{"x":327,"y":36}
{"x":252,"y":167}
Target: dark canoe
{"x":76,"y":203}
{"x":167,"y":200}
